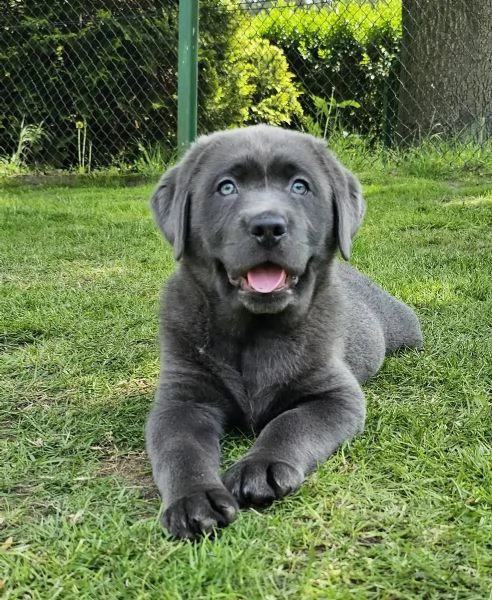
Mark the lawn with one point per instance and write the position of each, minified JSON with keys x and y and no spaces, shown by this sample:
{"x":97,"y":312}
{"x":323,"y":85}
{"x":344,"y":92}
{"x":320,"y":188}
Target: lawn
{"x":402,"y":512}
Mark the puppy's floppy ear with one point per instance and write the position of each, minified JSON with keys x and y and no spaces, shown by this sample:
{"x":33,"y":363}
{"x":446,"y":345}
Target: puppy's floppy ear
{"x":172,"y":197}
{"x":170,"y":205}
{"x":350,"y":209}
{"x":348,"y":201}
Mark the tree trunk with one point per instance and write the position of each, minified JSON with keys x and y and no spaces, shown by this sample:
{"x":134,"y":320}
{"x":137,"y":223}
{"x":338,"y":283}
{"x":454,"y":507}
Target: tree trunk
{"x":446,"y":68}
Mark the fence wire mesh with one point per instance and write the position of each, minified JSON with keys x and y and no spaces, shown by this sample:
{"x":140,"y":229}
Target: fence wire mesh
{"x":93,"y":85}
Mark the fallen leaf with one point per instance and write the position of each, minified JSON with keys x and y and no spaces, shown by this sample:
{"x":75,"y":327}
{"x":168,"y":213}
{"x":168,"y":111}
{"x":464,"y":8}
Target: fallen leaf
{"x":6,"y":545}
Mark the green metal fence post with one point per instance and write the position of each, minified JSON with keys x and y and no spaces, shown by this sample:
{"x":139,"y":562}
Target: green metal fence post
{"x":187,"y":73}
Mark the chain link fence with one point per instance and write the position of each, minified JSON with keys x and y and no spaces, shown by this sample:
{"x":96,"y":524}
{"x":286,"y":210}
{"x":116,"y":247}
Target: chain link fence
{"x":93,"y":85}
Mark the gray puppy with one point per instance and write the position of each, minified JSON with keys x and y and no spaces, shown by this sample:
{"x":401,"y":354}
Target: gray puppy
{"x":261,"y":328}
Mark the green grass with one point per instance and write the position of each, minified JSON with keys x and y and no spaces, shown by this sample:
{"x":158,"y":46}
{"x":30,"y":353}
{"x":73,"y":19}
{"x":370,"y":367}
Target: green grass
{"x":434,"y":158}
{"x":402,"y":512}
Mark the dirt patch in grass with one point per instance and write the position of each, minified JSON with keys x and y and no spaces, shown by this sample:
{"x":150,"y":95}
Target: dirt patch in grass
{"x":136,"y":386}
{"x":133,"y":470}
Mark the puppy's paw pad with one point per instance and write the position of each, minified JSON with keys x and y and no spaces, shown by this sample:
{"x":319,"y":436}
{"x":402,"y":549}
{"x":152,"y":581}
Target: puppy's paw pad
{"x":199,"y":513}
{"x":259,"y":481}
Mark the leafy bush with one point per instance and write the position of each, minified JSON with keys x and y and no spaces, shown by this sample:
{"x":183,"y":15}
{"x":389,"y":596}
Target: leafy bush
{"x":245,"y":79}
{"x":112,"y":66}
{"x":109,"y":64}
{"x":265,"y":85}
{"x":346,"y":51}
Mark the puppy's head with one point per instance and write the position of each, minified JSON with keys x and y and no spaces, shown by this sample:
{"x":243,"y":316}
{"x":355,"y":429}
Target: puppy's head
{"x":256,"y":212}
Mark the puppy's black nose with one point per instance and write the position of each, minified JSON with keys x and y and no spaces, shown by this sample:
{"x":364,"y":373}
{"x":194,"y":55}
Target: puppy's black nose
{"x":268,"y":229}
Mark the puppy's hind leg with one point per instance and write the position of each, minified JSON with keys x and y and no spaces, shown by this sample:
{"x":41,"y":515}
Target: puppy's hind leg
{"x":402,"y":327}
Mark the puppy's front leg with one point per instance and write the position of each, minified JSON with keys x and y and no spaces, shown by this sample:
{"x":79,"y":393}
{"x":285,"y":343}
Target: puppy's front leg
{"x":183,"y":445}
{"x":293,"y":443}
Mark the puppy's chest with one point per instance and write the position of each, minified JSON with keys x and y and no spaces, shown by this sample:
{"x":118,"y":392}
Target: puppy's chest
{"x":258,"y":375}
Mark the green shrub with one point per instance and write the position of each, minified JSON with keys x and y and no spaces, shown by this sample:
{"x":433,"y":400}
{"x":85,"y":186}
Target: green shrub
{"x":345,"y":51}
{"x":266,"y":86}
{"x":106,"y":64}
{"x":112,"y":65}
{"x":245,"y":79}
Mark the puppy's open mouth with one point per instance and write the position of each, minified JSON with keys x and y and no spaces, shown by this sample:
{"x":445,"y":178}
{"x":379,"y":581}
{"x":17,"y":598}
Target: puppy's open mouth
{"x":266,"y":278}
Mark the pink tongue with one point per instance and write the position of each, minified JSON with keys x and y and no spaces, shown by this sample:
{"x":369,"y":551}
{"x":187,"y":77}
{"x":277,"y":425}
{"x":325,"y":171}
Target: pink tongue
{"x":266,"y":278}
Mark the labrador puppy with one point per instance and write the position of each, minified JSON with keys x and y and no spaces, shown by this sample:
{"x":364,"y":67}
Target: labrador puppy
{"x":262,"y":328}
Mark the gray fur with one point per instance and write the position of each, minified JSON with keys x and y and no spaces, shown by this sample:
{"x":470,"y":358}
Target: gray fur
{"x":286,"y":365}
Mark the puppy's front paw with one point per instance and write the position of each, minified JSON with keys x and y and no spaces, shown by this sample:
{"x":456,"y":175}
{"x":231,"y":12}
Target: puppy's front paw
{"x":200,"y":512}
{"x":257,"y":481}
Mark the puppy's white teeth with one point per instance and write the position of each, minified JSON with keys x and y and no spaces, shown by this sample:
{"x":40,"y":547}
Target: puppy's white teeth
{"x":294,"y":280}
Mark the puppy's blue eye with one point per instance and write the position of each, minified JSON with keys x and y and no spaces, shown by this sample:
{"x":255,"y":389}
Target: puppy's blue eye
{"x":299,"y":187}
{"x":227,"y":187}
